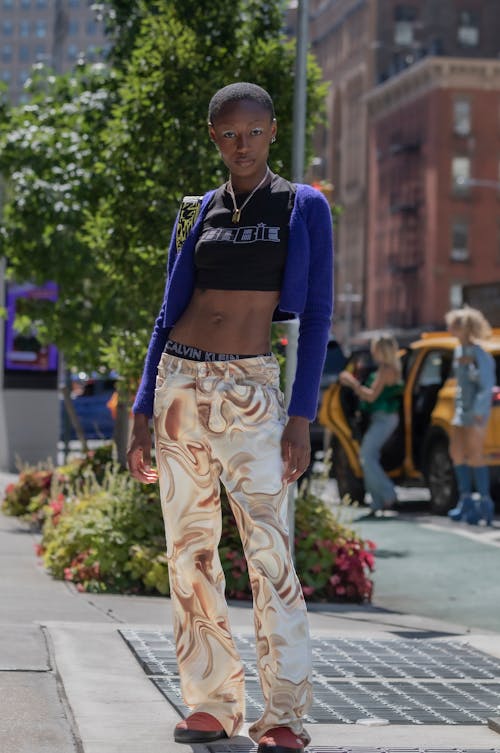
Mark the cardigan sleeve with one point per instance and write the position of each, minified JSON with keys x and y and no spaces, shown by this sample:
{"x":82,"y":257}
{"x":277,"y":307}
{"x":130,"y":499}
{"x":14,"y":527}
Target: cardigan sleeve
{"x":144,"y":398}
{"x":315,"y":320}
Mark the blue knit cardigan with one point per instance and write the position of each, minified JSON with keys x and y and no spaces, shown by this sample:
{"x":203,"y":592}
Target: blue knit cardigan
{"x":306,"y":292}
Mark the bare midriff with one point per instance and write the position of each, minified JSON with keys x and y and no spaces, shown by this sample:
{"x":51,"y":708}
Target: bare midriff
{"x":228,"y":321}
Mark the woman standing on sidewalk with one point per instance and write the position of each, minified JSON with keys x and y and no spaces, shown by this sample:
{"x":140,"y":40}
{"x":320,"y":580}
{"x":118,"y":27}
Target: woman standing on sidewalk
{"x":474,"y":369}
{"x":260,"y":246}
{"x":381,"y":398}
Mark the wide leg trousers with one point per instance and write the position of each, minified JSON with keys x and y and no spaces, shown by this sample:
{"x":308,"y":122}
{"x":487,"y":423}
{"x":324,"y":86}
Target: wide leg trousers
{"x":214,"y":421}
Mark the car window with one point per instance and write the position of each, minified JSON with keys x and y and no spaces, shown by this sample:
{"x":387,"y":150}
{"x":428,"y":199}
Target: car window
{"x":361,"y":364}
{"x":407,"y":360}
{"x":497,"y":366}
{"x":434,"y":370}
{"x":335,"y":360}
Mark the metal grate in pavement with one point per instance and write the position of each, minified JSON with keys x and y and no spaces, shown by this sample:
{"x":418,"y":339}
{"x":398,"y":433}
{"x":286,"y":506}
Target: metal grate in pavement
{"x":403,"y":681}
{"x":396,"y":658}
{"x":249,"y":747}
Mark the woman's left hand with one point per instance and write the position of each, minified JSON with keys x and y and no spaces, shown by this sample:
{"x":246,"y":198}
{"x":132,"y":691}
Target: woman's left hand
{"x":295,"y":448}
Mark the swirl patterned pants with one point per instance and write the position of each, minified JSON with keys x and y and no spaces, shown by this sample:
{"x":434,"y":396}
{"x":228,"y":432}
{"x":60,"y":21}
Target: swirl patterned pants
{"x":223,"y":420}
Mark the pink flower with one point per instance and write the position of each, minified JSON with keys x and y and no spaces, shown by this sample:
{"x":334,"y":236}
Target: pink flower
{"x":308,"y":590}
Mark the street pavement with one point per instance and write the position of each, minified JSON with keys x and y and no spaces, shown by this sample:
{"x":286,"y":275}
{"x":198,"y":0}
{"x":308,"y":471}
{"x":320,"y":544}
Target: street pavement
{"x":70,"y":684}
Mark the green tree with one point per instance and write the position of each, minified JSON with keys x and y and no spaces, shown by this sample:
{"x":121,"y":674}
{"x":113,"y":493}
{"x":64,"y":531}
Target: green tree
{"x":48,"y":154}
{"x":156,"y":147}
{"x":98,"y":161}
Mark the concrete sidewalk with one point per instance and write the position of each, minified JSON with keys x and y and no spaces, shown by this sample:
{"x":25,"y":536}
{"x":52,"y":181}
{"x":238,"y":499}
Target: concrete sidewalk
{"x":69,"y":682}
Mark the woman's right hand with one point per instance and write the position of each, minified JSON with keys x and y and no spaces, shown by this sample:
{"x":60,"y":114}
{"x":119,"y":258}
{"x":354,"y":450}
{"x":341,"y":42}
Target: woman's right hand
{"x":346,"y":379}
{"x":139,"y":451}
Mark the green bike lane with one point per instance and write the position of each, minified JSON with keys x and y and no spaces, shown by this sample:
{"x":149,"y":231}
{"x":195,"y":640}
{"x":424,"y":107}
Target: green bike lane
{"x":431,"y":566}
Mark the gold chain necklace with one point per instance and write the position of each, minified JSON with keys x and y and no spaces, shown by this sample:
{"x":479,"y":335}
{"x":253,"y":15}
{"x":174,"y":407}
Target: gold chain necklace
{"x":237,"y":212}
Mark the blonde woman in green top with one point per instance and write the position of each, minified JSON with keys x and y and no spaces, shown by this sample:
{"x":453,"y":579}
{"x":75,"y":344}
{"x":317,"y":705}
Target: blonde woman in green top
{"x":381,"y":398}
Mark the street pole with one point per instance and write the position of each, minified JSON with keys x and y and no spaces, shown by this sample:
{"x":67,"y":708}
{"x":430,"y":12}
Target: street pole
{"x":300,"y":92}
{"x":298,"y":164}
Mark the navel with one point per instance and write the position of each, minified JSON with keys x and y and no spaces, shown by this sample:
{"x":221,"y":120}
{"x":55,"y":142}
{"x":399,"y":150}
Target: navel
{"x":217,"y":318}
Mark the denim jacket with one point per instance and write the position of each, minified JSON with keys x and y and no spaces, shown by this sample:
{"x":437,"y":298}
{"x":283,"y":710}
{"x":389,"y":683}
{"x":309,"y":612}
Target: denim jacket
{"x":475,"y":380}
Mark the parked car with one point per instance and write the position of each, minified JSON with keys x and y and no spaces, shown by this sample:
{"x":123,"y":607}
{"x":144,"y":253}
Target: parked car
{"x":418,"y":451}
{"x":90,"y":395}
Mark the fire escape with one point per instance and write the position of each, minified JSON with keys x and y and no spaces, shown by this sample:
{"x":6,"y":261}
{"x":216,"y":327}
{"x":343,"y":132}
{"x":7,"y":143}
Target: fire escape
{"x":405,"y":252}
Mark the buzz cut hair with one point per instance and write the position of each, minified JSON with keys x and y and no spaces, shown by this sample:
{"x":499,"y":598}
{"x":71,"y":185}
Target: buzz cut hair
{"x":242,"y":90}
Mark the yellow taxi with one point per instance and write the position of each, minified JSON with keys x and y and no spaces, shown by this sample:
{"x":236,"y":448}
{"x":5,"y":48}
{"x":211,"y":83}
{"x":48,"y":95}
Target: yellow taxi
{"x":417,"y":452}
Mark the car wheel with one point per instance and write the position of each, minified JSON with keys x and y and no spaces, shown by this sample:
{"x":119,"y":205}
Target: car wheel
{"x":440,"y":477}
{"x":347,"y":482}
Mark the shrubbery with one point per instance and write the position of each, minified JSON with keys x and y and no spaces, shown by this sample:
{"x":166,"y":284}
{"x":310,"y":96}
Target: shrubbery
{"x":104,"y":532}
{"x":39,"y":486}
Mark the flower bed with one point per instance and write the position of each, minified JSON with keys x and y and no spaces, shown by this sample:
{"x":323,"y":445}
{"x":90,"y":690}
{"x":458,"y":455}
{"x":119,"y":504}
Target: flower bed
{"x":38,"y":488}
{"x":105,"y":532}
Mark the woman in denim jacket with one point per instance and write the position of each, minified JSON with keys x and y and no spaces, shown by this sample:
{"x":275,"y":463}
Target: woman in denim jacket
{"x":474,"y":369}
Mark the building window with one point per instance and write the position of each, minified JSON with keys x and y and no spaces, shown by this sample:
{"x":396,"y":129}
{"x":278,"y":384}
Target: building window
{"x":404,"y":18}
{"x":24,"y":54}
{"x":7,"y":53}
{"x":72,"y":52}
{"x":41,"y":3}
{"x":24,"y":29}
{"x":25,"y":3}
{"x":74,"y":3}
{"x":460,"y":175}
{"x":93,"y":52}
{"x":91,"y":28}
{"x":7,"y":28}
{"x":23,"y":77}
{"x":459,"y":241}
{"x":40,"y":52}
{"x":73,"y":28}
{"x":461,"y":116}
{"x":41,"y":28}
{"x":456,"y":295}
{"x":7,"y":77}
{"x":468,"y":29}
{"x":8,"y":4}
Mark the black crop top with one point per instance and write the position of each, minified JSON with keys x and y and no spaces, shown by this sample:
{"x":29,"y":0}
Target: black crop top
{"x":249,"y":255}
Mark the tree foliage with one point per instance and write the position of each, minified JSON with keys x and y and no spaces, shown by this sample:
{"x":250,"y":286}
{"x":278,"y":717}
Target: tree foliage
{"x":48,"y":152}
{"x":98,"y":161}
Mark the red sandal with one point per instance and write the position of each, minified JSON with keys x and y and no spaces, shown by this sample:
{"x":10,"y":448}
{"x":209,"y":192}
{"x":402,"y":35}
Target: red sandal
{"x":280,"y":740}
{"x":199,"y":728}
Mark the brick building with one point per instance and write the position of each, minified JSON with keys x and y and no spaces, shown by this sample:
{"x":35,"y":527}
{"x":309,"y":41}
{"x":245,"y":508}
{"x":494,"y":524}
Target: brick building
{"x":359,"y":44}
{"x":55,"y":32}
{"x":433,"y":191}
{"x":341,"y":34}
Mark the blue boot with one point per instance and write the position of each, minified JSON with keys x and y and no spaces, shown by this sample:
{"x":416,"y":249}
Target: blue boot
{"x":473,"y":513}
{"x":485,"y":507}
{"x":486,"y":510}
{"x":465,"y":502}
{"x":465,"y":508}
